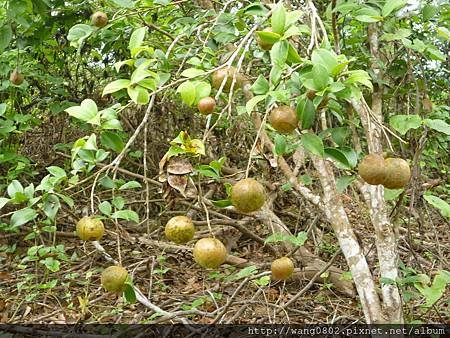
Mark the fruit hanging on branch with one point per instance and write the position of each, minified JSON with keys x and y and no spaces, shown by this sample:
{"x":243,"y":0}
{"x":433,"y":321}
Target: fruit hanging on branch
{"x":16,"y":77}
{"x":113,"y":278}
{"x":209,"y":253}
{"x":90,"y":229}
{"x":219,"y":75}
{"x":397,"y":174}
{"x":206,"y":105}
{"x":372,"y":169}
{"x":248,"y":195}
{"x":283,"y":119}
{"x":180,"y":229}
{"x":282,"y":268}
{"x":99,"y":19}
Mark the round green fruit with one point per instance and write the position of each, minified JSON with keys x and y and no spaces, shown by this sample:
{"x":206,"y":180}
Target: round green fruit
{"x":283,"y":119}
{"x":180,"y":229}
{"x":372,"y":169}
{"x":398,"y":173}
{"x":99,"y":19}
{"x":248,"y":195}
{"x":209,"y":253}
{"x":113,"y":278}
{"x":90,"y":229}
{"x":282,"y":268}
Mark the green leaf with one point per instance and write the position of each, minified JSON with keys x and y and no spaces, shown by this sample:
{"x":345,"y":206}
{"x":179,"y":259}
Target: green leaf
{"x":293,"y":56}
{"x":280,"y":144}
{"x":343,"y":182}
{"x":255,"y":9}
{"x":260,"y":86}
{"x":438,"y":125}
{"x":278,"y":19}
{"x":338,"y":156}
{"x":129,"y":294}
{"x":250,"y":105}
{"x":279,"y":53}
{"x":14,"y":187}
{"x":275,"y":238}
{"x":368,"y":18}
{"x":359,"y":76}
{"x":130,"y":185}
{"x":22,"y":216}
{"x":128,"y":215}
{"x":438,"y":203}
{"x":313,"y":144}
{"x":268,"y":37}
{"x":325,"y":58}
{"x":192,"y":72}
{"x":111,"y":140}
{"x":429,"y":11}
{"x":51,"y":264}
{"x":3,"y":107}
{"x":5,"y":37}
{"x":202,"y":89}
{"x":392,"y":5}
{"x":391,"y":194}
{"x":124,"y":3}
{"x":136,"y":39}
{"x":105,"y":207}
{"x":78,"y":33}
{"x":3,"y":202}
{"x":57,"y":171}
{"x":222,"y":203}
{"x":245,"y":272}
{"x":86,"y":112}
{"x":436,"y":291}
{"x":138,"y":95}
{"x":434,"y":53}
{"x":188,"y":92}
{"x":403,"y":123}
{"x":306,"y":113}
{"x":140,"y":74}
{"x":275,"y":75}
{"x":320,"y":76}
{"x":116,"y":86}
{"x":300,"y":239}
{"x":442,"y":32}
{"x":263,"y":281}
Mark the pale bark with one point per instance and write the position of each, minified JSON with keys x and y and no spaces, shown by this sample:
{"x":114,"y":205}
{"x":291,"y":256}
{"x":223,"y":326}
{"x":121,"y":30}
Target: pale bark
{"x":348,"y":242}
{"x":385,"y":237}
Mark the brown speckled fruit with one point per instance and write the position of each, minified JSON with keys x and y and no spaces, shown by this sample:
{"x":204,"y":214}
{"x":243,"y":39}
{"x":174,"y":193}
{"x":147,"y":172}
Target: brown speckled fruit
{"x":206,"y":105}
{"x":90,"y":229}
{"x":283,"y":119}
{"x":248,"y":195}
{"x":113,"y":278}
{"x":372,"y":169}
{"x":16,"y":77}
{"x":282,"y":268}
{"x":180,"y":229}
{"x":263,"y":44}
{"x":99,"y":19}
{"x":219,"y":75}
{"x":209,"y":253}
{"x":398,"y":173}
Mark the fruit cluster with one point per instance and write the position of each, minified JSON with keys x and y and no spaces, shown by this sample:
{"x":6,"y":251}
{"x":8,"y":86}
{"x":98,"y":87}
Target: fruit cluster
{"x":392,"y":173}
